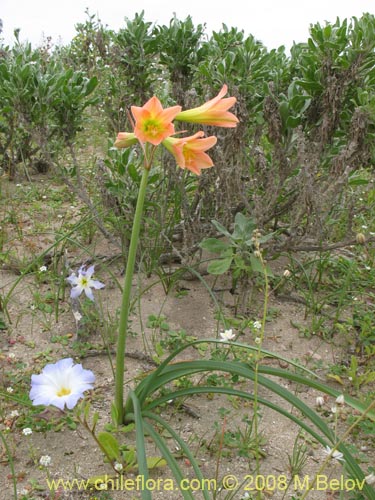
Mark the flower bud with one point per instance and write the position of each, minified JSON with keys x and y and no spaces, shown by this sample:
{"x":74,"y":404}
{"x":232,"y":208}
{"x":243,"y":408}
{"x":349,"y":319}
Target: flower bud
{"x":370,"y":479}
{"x":360,"y":238}
{"x":319,"y":401}
{"x":340,"y":400}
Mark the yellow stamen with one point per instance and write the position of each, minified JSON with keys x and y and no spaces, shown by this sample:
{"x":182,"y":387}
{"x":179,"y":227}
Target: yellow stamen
{"x":63,"y":392}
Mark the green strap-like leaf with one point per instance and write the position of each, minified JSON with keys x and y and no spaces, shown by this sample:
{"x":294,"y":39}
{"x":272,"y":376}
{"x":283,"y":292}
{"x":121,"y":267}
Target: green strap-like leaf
{"x":181,"y":444}
{"x":140,"y":444}
{"x":165,"y":451}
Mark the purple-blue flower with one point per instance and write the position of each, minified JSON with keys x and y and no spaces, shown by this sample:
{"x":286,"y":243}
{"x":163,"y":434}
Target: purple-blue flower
{"x":61,"y":384}
{"x":84,"y":283}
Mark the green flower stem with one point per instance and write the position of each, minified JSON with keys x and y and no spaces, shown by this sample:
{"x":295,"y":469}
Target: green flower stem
{"x":258,"y":359}
{"x":124,"y":315}
{"x":11,"y":465}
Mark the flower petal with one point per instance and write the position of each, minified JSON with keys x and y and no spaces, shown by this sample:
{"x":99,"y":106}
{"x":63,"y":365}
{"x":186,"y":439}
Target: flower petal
{"x":90,"y":271}
{"x":153,"y":124}
{"x":89,"y":293}
{"x":213,"y":112}
{"x":76,"y":291}
{"x":96,"y":284}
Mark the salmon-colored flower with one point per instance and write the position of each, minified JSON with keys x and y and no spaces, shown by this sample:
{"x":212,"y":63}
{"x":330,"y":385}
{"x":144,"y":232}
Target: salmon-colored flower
{"x":153,"y":123}
{"x":189,"y":152}
{"x":213,"y":112}
{"x":125,"y":140}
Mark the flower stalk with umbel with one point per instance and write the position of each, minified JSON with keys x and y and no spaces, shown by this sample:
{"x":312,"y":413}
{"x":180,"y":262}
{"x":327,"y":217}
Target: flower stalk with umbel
{"x":153,"y":126}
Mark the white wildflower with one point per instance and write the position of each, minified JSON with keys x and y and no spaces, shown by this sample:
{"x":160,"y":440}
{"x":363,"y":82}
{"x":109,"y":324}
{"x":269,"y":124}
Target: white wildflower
{"x":61,"y":384}
{"x":227,"y":335}
{"x":77,"y":316}
{"x":319,"y":401}
{"x":45,"y":460}
{"x":370,"y":479}
{"x":335,"y":455}
{"x":84,"y":283}
{"x":340,"y":400}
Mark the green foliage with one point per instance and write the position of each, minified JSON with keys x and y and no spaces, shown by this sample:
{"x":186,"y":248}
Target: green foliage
{"x":239,"y":251}
{"x":41,"y":106}
{"x":109,"y":444}
{"x":180,"y":51}
{"x":142,"y":404}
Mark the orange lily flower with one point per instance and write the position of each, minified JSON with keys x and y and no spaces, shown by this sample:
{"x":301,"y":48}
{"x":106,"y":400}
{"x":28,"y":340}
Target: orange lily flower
{"x":189,"y":151}
{"x":153,"y":123}
{"x":125,"y":140}
{"x":213,"y":112}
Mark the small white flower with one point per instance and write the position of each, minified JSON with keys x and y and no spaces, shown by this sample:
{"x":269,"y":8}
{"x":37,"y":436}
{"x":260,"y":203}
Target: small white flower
{"x":45,"y":460}
{"x":258,"y":340}
{"x":43,"y":269}
{"x":319,"y":401}
{"x":32,"y":307}
{"x":118,"y":467}
{"x":333,"y":409}
{"x":83,"y":283}
{"x":11,"y":355}
{"x":287,"y":273}
{"x":23,"y":492}
{"x":340,"y":400}
{"x":227,"y":335}
{"x":77,"y":316}
{"x":14,"y":414}
{"x":370,"y":479}
{"x":44,"y":197}
{"x":27,"y":431}
{"x":257,"y":325}
{"x":336,"y":455}
{"x":10,"y":390}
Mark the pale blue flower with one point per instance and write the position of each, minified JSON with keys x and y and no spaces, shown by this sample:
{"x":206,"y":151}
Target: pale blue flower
{"x":61,"y":384}
{"x":84,"y":283}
